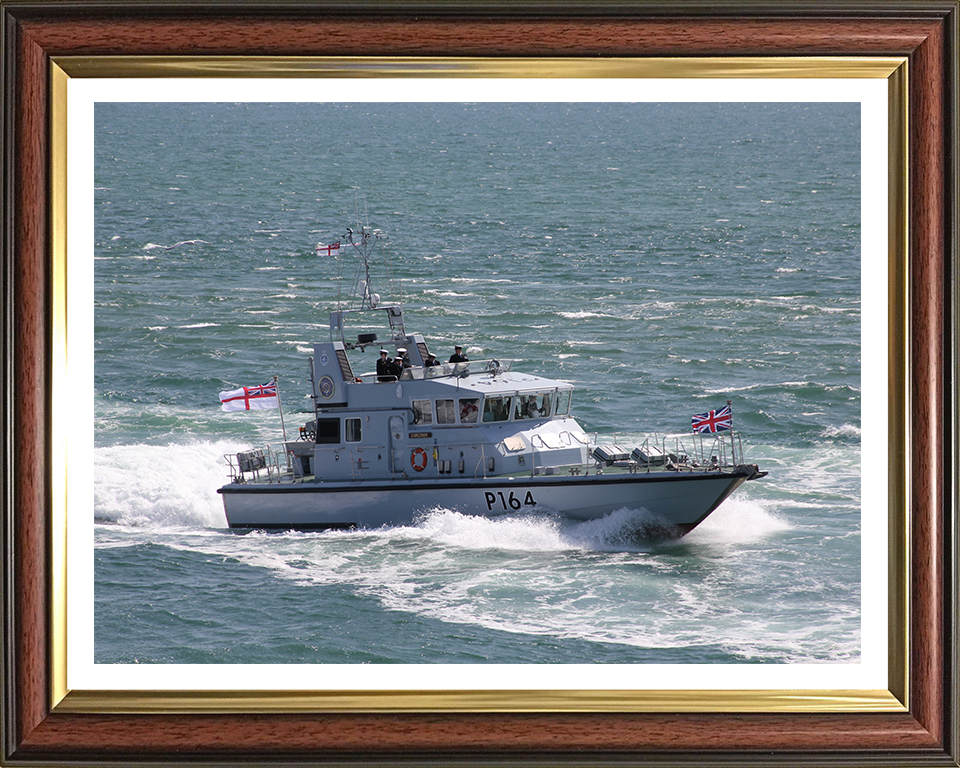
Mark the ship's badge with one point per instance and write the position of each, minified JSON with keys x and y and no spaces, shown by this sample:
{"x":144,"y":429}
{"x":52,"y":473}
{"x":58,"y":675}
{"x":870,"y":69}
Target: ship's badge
{"x":326,"y":387}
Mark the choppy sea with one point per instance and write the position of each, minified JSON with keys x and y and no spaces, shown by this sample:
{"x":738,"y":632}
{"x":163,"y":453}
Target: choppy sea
{"x":664,"y":258}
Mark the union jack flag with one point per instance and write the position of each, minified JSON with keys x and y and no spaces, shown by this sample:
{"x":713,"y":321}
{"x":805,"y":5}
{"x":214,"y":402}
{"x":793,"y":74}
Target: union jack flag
{"x":328,"y":250}
{"x":251,"y":398}
{"x":713,"y":421}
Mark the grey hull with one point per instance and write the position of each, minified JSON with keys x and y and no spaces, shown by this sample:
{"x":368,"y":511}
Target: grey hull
{"x":674,"y":499}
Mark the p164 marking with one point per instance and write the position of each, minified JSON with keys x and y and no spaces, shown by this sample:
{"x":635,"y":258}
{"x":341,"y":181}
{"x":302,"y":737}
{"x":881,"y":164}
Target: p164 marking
{"x":511,"y":501}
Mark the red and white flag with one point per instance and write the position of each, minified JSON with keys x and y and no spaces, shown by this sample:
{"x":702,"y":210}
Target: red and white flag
{"x":328,"y":250}
{"x":251,"y":398}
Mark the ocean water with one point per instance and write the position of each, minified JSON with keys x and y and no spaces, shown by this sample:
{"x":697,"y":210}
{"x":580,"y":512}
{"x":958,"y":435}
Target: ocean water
{"x":664,"y":258}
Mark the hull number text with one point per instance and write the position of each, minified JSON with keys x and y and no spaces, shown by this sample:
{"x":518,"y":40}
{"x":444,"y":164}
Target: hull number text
{"x":506,"y":502}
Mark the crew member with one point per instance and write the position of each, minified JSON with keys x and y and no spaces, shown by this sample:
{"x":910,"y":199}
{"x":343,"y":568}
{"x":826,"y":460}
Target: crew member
{"x":396,"y":365}
{"x":458,"y":356}
{"x":385,"y":367}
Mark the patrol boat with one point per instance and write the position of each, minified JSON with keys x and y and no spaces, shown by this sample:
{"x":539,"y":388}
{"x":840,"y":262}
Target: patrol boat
{"x":481,"y":437}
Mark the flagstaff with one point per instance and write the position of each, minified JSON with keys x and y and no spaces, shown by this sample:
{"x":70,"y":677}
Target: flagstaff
{"x":283,"y":426}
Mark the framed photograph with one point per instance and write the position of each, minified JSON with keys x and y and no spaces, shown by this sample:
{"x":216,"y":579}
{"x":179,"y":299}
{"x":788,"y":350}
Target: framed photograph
{"x":119,"y":100}
{"x":552,"y":256}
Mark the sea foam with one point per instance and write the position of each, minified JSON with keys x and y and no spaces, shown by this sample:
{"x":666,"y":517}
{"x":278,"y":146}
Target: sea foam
{"x":161,"y":486}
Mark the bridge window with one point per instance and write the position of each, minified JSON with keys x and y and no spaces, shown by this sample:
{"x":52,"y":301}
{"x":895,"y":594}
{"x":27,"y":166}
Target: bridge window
{"x":563,"y":401}
{"x":469,"y":410}
{"x":422,"y":412}
{"x":445,"y":412}
{"x":496,"y":408}
{"x":533,"y":406}
{"x":545,"y":401}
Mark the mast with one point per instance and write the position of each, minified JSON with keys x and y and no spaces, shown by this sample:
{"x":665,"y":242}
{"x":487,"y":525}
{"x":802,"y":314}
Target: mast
{"x":364,"y":240}
{"x":368,"y":239}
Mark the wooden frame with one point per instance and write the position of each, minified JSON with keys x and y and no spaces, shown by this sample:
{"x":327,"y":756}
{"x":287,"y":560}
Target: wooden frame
{"x":35,"y":732}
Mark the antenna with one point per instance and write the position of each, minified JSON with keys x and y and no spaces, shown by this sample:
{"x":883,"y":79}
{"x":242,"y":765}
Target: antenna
{"x":364,"y":240}
{"x":368,"y":239}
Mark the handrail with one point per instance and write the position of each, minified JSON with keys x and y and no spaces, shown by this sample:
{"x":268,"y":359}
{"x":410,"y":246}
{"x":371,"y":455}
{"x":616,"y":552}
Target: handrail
{"x":494,"y":366}
{"x":686,"y":450}
{"x":266,"y":459}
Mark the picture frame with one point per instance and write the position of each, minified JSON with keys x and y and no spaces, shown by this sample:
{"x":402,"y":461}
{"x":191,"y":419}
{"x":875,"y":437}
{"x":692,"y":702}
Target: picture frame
{"x":865,"y":102}
{"x":917,"y":719}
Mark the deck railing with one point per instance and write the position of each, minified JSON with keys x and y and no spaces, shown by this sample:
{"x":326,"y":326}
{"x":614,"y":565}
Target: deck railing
{"x":277,"y":464}
{"x":720,"y":450}
{"x":679,"y":452}
{"x":471,"y":367}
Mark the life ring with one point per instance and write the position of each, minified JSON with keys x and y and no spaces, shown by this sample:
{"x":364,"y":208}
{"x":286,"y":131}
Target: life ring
{"x":418,"y":459}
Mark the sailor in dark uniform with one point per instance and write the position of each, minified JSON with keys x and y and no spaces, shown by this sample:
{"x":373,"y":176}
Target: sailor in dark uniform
{"x":400,"y":362}
{"x":458,"y":356}
{"x":431,"y":360}
{"x":385,"y":368}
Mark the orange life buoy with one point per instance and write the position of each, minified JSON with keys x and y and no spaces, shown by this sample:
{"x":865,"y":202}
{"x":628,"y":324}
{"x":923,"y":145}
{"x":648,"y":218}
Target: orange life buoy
{"x":418,"y":459}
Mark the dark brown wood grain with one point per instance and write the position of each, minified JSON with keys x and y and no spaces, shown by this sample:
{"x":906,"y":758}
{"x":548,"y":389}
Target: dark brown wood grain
{"x":348,"y":734}
{"x":477,"y":37}
{"x":931,"y":270}
{"x":923,"y":31}
{"x":30,"y":356}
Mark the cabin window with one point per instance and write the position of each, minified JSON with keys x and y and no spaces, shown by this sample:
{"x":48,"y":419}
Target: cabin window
{"x":352,"y":430}
{"x":496,"y":408}
{"x":445,"y":412}
{"x":545,"y":402}
{"x":328,"y":431}
{"x":533,"y":406}
{"x":563,"y":401}
{"x":469,"y":410}
{"x":422,"y":412}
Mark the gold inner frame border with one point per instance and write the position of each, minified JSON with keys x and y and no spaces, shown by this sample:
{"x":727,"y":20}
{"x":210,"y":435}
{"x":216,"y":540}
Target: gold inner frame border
{"x":894,"y":699}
